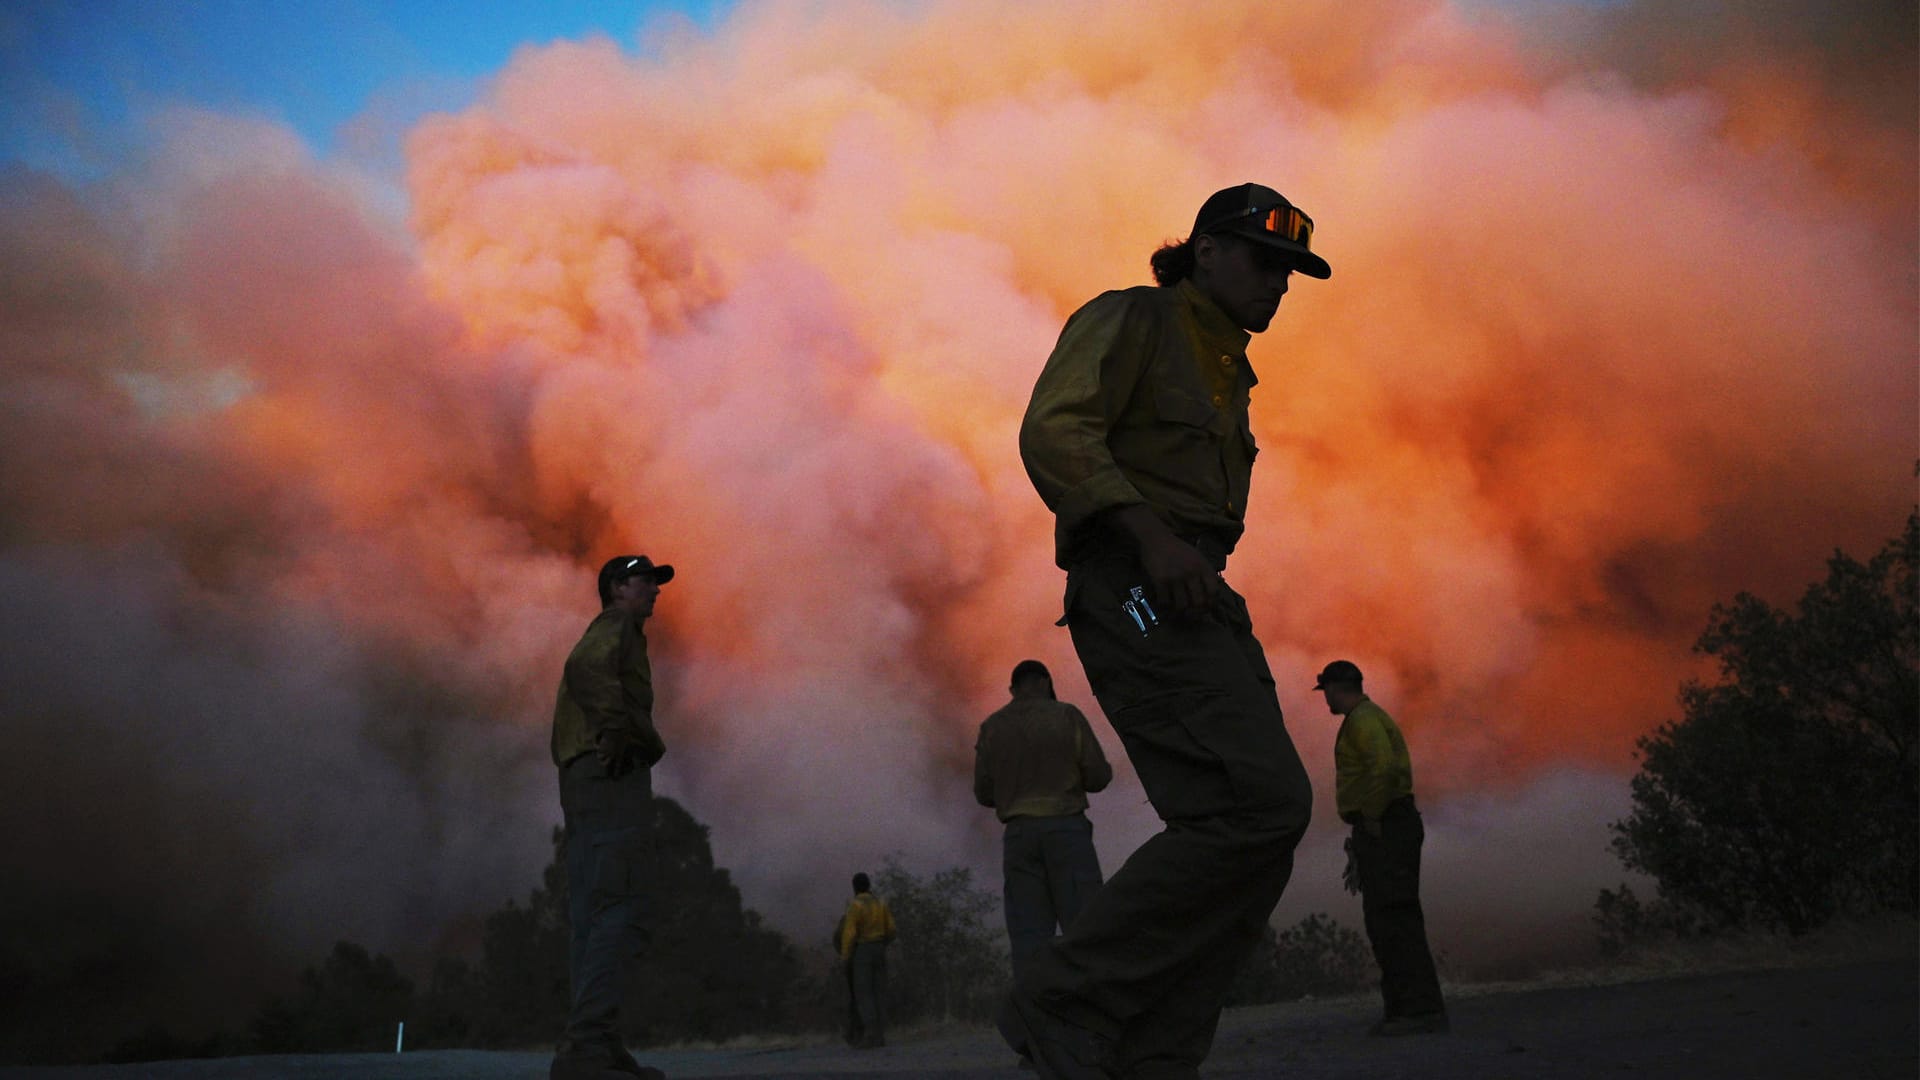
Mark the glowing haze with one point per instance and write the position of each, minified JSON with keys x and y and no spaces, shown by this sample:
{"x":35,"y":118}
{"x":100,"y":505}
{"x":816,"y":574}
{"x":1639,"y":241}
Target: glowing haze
{"x":300,"y":508}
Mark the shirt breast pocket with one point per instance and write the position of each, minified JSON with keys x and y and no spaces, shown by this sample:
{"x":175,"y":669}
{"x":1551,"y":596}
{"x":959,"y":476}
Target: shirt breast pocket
{"x":1190,"y":443}
{"x":1175,"y":406}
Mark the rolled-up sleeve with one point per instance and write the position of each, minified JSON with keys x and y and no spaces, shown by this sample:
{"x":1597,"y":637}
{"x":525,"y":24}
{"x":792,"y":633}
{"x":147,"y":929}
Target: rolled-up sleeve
{"x":1080,"y":393}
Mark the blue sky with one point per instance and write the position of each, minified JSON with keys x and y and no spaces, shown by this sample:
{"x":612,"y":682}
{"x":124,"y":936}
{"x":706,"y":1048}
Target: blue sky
{"x":78,"y":78}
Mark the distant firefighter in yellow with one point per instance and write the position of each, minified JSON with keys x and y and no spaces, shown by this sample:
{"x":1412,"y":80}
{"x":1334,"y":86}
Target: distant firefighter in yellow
{"x":865,"y":931}
{"x":1373,"y":791}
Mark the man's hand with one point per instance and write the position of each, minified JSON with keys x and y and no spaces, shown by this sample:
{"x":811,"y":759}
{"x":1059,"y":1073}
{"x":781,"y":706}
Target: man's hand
{"x":1182,"y":579}
{"x":615,"y":748}
{"x":651,"y":747}
{"x":620,"y":749}
{"x":1350,"y":874}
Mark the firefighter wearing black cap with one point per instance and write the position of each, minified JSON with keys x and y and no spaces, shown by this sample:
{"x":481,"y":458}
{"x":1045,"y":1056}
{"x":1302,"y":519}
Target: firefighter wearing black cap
{"x":1034,"y":763}
{"x":1137,"y":438}
{"x":1373,"y":792}
{"x":605,"y":745}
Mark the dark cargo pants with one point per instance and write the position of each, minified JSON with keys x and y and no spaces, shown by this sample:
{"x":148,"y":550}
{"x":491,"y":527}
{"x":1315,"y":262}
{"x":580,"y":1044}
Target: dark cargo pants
{"x":1148,"y":961}
{"x":1048,"y":869}
{"x":1389,"y":870}
{"x":607,"y":847}
{"x":867,"y":971}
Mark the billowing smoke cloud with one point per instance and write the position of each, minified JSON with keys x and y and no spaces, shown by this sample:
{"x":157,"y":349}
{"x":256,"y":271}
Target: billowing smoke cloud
{"x":300,"y":509}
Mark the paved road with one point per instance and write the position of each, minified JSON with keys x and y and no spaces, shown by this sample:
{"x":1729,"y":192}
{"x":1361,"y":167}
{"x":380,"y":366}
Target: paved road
{"x":1858,"y":1022}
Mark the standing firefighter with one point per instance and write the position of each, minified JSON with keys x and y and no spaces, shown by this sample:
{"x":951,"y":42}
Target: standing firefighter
{"x":606,"y":746}
{"x":1137,"y":438}
{"x":865,"y":930}
{"x":1034,"y":763}
{"x":1373,"y":791}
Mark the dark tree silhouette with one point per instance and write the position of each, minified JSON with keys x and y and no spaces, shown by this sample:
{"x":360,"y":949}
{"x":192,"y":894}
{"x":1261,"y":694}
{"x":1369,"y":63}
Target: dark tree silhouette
{"x":1789,"y":790}
{"x":518,"y":995}
{"x":950,"y":959}
{"x":710,"y":969}
{"x":351,"y":1001}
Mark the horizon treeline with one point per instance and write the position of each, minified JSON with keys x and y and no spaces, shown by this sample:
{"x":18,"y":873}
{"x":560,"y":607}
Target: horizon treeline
{"x":712,"y":970}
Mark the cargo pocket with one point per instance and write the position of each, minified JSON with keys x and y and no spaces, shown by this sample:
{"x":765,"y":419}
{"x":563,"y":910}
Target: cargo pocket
{"x":1183,"y":776}
{"x":1075,"y":580}
{"x":1230,"y":608}
{"x":619,"y":862}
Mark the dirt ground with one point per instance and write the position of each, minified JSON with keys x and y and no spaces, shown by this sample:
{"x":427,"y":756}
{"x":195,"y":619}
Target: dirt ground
{"x":1858,"y":1021}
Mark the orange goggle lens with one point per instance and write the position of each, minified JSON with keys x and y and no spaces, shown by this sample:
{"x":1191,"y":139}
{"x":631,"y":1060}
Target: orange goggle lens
{"x":1289,"y":224}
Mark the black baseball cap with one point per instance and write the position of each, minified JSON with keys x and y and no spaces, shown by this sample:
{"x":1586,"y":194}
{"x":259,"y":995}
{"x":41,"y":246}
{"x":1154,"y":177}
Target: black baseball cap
{"x":622,"y":567}
{"x":1340,"y":671}
{"x":1265,"y":216}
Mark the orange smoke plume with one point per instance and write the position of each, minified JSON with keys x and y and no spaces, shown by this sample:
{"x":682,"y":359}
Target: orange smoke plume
{"x":1583,"y":340}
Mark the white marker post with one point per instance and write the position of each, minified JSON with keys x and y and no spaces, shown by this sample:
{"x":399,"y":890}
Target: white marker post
{"x":400,"y":1036}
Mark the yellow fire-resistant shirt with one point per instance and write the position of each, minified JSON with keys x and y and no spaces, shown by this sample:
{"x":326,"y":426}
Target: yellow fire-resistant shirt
{"x":1370,"y":763}
{"x":1037,"y":757}
{"x":1144,"y":400}
{"x":867,"y":919}
{"x":607,"y":683}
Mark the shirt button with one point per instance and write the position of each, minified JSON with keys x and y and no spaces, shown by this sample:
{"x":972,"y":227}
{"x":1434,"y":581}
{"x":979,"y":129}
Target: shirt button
{"x":1230,"y":505}
{"x":1218,"y":401}
{"x":1226,"y":361}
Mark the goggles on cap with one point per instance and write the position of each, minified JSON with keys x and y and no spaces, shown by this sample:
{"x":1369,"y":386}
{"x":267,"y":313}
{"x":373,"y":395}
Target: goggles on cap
{"x":1284,"y":222}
